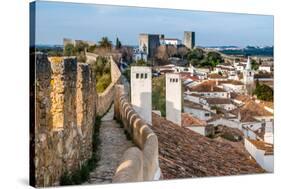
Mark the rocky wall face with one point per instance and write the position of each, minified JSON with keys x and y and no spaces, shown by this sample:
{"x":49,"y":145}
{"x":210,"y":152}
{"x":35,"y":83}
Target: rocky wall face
{"x":65,"y":111}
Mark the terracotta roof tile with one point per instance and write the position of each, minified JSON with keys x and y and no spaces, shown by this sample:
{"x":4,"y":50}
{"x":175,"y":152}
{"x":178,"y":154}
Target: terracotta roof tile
{"x":207,"y":86}
{"x":184,"y":153}
{"x":218,"y":101}
{"x":268,"y":148}
{"x":188,"y":120}
{"x":231,"y":81}
{"x":216,"y":76}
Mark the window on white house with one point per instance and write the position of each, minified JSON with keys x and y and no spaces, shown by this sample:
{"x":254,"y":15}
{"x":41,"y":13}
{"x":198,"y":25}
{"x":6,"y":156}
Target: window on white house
{"x":137,"y":75}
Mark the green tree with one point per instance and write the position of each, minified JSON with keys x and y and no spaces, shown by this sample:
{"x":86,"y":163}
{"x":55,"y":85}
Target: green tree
{"x":81,"y":46}
{"x":69,"y":50}
{"x":254,"y":65}
{"x":158,"y":95}
{"x":214,"y":57}
{"x":197,"y":54}
{"x":102,"y":73}
{"x":263,"y":92}
{"x":105,"y":43}
{"x":118,"y":43}
{"x":92,"y":48}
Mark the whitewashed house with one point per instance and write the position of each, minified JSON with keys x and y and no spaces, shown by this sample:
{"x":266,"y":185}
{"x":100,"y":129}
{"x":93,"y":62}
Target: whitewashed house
{"x":262,"y":152}
{"x":139,"y":55}
{"x":172,"y":41}
{"x":197,"y":110}
{"x":266,"y":68}
{"x":232,"y":86}
{"x":240,"y":67}
{"x":208,"y":89}
{"x":195,"y":124}
{"x":224,"y":103}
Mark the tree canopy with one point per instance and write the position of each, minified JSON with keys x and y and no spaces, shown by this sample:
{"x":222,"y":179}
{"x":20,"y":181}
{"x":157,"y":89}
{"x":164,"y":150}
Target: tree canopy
{"x":197,"y":57}
{"x":118,"y":43}
{"x":105,"y":43}
{"x":263,"y":92}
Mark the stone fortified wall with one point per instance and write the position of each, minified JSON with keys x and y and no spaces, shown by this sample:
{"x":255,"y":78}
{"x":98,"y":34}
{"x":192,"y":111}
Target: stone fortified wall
{"x":139,"y":163}
{"x":105,"y":99}
{"x":65,"y":114}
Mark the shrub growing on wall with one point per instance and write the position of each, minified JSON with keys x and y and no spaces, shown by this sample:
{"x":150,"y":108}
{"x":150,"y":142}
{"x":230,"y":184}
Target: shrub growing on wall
{"x":101,"y":68}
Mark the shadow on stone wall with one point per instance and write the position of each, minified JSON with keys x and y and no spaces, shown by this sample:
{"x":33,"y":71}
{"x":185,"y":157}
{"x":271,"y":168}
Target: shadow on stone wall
{"x":65,"y":114}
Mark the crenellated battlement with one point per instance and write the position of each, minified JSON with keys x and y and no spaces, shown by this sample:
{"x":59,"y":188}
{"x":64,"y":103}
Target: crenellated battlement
{"x":65,"y":112}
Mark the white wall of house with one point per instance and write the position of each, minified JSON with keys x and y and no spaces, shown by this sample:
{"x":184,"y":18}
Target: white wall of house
{"x":265,"y":118}
{"x":140,"y":56}
{"x":265,"y":68}
{"x":198,"y":129}
{"x":211,"y":94}
{"x":268,"y":163}
{"x":249,"y":133}
{"x":226,"y":122}
{"x":268,"y":138}
{"x":172,"y":42}
{"x":239,"y":68}
{"x":268,"y":135}
{"x":252,"y":125}
{"x":195,"y":99}
{"x":227,"y":107}
{"x":233,"y":88}
{"x":265,"y":161}
{"x":269,"y":109}
{"x":198,"y":113}
{"x":178,"y":69}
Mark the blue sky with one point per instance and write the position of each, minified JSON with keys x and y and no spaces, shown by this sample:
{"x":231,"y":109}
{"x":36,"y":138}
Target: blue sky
{"x":57,"y":20}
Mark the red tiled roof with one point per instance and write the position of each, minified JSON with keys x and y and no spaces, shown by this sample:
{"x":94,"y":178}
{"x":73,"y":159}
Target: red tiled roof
{"x":250,"y":110}
{"x":207,"y":86}
{"x":243,"y":98}
{"x":230,"y":81}
{"x":184,"y":153}
{"x":188,"y":120}
{"x":254,"y":109}
{"x":193,"y":105}
{"x":185,"y":76}
{"x":218,"y":101}
{"x":216,"y":76}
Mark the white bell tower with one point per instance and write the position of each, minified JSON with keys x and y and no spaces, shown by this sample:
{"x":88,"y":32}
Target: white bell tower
{"x":248,"y":74}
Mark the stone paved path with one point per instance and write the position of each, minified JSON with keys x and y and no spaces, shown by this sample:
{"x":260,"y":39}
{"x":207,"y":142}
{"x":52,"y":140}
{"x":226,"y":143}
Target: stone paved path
{"x":113,"y":144}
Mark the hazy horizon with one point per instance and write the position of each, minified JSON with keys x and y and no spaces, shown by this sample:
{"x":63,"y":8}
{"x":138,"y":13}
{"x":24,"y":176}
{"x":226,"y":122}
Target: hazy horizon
{"x":58,"y":20}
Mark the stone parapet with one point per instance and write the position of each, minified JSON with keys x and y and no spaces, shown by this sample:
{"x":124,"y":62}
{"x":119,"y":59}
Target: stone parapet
{"x":144,"y":138}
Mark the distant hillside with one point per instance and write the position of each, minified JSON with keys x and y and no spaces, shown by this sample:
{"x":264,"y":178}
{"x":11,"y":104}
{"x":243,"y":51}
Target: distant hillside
{"x":250,"y":51}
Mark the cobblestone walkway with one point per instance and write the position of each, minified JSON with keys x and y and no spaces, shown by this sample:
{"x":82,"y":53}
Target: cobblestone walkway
{"x":113,"y":144}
